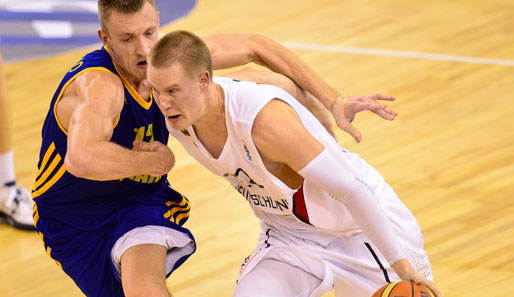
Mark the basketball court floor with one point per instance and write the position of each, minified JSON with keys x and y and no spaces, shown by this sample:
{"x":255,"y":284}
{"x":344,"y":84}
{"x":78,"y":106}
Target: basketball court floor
{"x":449,"y":155}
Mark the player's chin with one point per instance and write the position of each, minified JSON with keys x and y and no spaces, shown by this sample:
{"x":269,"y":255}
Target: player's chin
{"x":141,"y":71}
{"x":177,"y":122}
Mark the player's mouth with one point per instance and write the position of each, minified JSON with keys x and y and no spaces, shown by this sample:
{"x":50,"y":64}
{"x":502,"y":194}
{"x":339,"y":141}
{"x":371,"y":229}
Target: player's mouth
{"x":174,"y":118}
{"x":142,"y":64}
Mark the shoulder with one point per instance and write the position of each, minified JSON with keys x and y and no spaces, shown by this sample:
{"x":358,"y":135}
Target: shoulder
{"x":95,"y":68}
{"x":244,"y":98}
{"x":94,"y":81}
{"x":277,"y":124}
{"x":99,"y":90}
{"x":276,"y":115}
{"x":280,"y":136}
{"x":98,"y":60}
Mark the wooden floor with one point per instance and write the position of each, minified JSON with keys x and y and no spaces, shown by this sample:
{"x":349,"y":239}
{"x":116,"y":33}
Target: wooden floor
{"x":449,"y":155}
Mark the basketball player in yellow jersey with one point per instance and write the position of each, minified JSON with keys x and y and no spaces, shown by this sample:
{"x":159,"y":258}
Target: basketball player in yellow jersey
{"x":15,"y":201}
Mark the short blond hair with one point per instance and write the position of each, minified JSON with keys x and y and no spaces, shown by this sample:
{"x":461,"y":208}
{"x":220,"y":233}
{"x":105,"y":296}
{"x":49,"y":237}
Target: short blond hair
{"x":106,"y":7}
{"x":183,"y":47}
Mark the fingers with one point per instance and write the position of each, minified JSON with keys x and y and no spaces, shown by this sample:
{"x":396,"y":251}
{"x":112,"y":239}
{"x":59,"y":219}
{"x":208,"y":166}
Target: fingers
{"x":374,"y":106}
{"x":343,"y":123}
{"x":432,"y":287}
{"x":386,"y":114}
{"x":145,"y":146}
{"x":379,"y":96}
{"x":138,"y":145}
{"x":354,"y":132}
{"x":427,"y":284}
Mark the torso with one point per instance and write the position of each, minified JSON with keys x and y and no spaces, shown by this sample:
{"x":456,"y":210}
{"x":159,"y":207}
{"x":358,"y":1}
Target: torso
{"x":88,"y":203}
{"x":284,"y":173}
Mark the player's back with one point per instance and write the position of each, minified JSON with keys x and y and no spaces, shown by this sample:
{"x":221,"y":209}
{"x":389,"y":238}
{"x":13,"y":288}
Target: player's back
{"x":83,"y":203}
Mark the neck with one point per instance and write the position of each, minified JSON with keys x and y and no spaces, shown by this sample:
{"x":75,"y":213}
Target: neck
{"x":140,"y":85}
{"x":213,"y":120}
{"x":211,"y":130}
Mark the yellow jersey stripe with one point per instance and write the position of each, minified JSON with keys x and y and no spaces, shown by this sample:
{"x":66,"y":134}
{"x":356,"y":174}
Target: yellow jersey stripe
{"x":41,"y":236}
{"x":47,"y":172}
{"x":177,"y":209}
{"x":167,"y":214}
{"x":181,"y":216}
{"x":50,"y":183}
{"x":48,"y":153}
{"x":48,"y":250}
{"x":36,"y":218}
{"x":35,"y":214}
{"x":132,"y":91}
{"x":182,"y":203}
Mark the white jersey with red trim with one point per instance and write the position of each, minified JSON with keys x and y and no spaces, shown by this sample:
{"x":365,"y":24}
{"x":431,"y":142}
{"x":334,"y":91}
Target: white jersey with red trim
{"x":240,"y":164}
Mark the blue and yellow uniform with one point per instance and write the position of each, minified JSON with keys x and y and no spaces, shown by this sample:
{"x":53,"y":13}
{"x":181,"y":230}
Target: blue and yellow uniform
{"x":79,"y":220}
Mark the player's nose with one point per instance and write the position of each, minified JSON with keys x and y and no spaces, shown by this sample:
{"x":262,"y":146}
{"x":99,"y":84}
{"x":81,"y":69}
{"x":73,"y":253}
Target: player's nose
{"x":143,"y":46}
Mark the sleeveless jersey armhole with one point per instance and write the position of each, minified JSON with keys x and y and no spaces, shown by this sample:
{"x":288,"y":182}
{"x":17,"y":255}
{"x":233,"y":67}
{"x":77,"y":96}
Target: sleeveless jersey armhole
{"x":64,"y":88}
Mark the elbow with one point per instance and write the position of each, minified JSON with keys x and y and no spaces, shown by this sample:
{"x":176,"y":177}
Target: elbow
{"x":259,"y":45}
{"x":259,"y":39}
{"x":77,"y":164}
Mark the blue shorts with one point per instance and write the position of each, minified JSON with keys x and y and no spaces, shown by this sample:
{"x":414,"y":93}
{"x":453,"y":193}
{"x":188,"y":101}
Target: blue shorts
{"x":86,"y":255}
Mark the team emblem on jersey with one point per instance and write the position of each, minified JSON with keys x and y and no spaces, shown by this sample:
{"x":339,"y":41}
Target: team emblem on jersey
{"x":255,"y":193}
{"x":248,"y":155}
{"x":240,"y":174}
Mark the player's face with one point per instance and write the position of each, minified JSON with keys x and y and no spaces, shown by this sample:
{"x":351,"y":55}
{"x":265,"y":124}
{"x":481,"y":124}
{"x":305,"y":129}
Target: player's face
{"x":129,"y":38}
{"x":180,"y":95}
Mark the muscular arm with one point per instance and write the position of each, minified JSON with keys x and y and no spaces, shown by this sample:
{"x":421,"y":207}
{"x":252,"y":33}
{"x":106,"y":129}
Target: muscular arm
{"x":230,"y":50}
{"x":90,"y":153}
{"x":277,"y":126}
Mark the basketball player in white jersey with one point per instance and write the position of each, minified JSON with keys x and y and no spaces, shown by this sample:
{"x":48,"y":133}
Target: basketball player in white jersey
{"x":328,"y":218}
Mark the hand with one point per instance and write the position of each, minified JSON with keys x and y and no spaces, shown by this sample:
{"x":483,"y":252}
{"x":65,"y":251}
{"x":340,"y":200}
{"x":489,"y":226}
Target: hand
{"x":164,"y":156}
{"x":405,"y":271}
{"x":344,"y":110}
{"x":321,"y":113}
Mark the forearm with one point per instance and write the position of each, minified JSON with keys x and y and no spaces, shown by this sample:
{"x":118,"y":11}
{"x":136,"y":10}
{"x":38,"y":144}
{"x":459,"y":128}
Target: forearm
{"x":280,"y":59}
{"x":231,"y":50}
{"x":335,"y":175}
{"x":109,"y":161}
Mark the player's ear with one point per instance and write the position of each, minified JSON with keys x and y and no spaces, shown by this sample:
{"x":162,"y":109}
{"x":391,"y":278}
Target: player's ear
{"x":103,"y":36}
{"x":205,"y":78}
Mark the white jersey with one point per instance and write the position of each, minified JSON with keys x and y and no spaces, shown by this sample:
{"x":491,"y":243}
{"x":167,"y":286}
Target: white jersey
{"x":304,"y":227}
{"x":240,"y":163}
